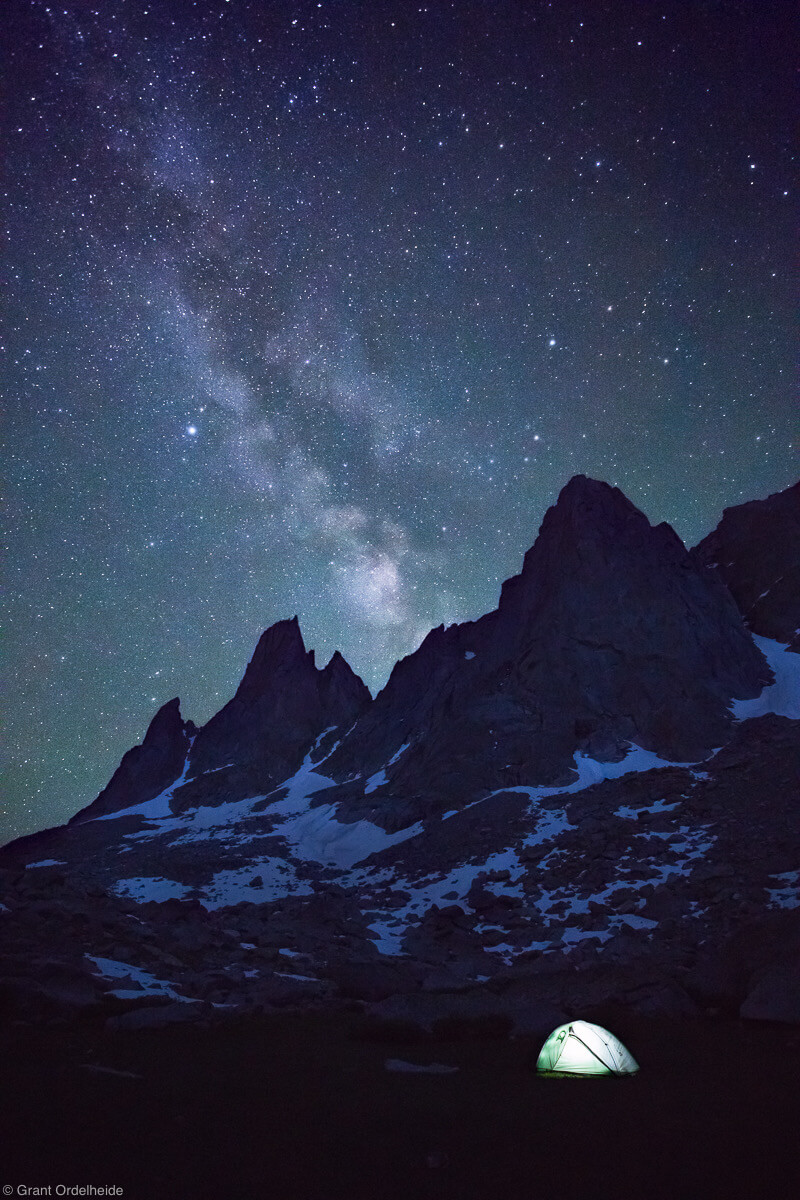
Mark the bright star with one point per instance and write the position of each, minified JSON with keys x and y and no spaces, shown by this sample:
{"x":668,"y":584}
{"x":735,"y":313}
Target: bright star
{"x":191,"y":430}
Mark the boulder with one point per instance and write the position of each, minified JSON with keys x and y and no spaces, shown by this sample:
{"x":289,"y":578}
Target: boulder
{"x":286,"y":991}
{"x":662,"y":998}
{"x":158,"y":1017}
{"x":49,"y":989}
{"x":727,"y":973}
{"x":371,"y":981}
{"x":774,"y":994}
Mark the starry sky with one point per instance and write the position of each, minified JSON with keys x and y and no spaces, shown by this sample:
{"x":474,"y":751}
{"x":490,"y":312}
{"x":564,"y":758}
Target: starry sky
{"x":314,"y":307}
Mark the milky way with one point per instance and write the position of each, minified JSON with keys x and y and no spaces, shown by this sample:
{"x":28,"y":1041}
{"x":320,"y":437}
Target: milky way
{"x":315,"y":307}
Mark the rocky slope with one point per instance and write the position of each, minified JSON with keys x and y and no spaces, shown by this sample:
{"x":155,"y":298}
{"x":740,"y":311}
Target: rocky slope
{"x":580,"y":797}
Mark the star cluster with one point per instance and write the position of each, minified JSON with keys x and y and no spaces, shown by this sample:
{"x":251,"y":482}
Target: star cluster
{"x":315,"y":306}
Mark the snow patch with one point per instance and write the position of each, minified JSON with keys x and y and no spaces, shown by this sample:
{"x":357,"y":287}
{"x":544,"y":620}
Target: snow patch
{"x":788,"y":894}
{"x":781,"y":697}
{"x":379,"y":778}
{"x":317,"y":836}
{"x":110,"y":968}
{"x":390,"y":925}
{"x":233,"y":886}
{"x":564,"y":909}
{"x":314,"y":834}
{"x":142,"y":889}
{"x":153,"y":809}
{"x":551,"y":822}
{"x":310,"y":834}
{"x":634,"y":921}
{"x":317,"y":743}
{"x":591,"y":771}
{"x":388,"y":935}
{"x":45,"y":862}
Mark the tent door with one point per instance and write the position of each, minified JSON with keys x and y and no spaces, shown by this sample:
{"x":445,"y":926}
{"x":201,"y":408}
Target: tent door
{"x":612,"y":1070}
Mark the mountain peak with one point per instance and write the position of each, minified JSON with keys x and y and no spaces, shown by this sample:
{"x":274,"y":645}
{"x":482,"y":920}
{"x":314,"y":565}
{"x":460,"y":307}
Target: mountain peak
{"x":338,"y":668}
{"x":593,"y":527}
{"x":586,"y":504}
{"x":584,"y":486}
{"x":610,"y":634}
{"x":280,"y":648}
{"x":344,"y":692}
{"x":167,"y":715}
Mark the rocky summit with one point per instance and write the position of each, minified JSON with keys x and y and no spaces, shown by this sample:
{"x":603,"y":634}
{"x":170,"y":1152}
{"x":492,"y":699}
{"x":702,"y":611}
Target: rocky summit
{"x":590,"y":794}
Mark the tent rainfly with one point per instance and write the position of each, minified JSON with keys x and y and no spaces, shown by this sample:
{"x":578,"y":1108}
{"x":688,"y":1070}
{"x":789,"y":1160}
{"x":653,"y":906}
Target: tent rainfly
{"x":580,"y":1048}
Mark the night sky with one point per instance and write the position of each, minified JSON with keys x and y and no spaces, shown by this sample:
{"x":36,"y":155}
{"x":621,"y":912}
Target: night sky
{"x":314,"y":308}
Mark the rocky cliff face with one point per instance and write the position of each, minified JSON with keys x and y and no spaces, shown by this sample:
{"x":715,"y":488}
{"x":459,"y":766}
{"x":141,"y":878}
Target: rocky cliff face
{"x":755,"y":550}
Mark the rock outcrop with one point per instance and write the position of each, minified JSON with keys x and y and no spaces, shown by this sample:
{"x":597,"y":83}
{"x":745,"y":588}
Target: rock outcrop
{"x":755,"y":550}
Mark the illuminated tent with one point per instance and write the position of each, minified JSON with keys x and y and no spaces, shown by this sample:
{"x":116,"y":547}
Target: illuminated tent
{"x":580,"y":1048}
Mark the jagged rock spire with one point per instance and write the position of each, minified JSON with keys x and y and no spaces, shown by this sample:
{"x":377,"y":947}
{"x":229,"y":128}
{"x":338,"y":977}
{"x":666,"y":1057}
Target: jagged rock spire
{"x":147,"y":769}
{"x":282,"y":705}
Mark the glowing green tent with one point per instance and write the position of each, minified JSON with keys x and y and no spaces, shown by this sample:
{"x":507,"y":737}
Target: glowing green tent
{"x":580,"y":1048}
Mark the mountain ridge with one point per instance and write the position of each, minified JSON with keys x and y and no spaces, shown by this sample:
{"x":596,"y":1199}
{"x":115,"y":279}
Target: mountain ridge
{"x":600,"y":775}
